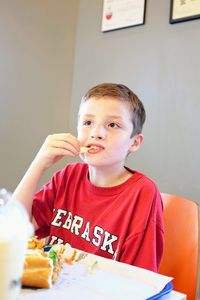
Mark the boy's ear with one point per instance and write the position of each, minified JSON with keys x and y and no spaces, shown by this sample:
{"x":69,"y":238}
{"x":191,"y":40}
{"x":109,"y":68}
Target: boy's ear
{"x":137,"y":141}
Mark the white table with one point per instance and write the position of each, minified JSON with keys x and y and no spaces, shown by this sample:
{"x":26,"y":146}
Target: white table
{"x":109,"y":280}
{"x":173,"y":295}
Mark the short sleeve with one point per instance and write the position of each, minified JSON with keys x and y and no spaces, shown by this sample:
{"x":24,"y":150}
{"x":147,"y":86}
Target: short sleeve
{"x":145,"y":248}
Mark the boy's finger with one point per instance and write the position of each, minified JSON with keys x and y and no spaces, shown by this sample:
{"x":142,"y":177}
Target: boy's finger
{"x":67,"y":139}
{"x":66,"y":146}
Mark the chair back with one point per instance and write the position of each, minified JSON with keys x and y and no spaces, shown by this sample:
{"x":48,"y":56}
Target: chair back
{"x":181,"y":250}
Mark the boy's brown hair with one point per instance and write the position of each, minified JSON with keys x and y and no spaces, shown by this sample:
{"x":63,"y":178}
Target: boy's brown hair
{"x":122,"y":93}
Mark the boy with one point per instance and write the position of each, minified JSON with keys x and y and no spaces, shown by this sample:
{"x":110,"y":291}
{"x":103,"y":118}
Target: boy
{"x":99,"y":206}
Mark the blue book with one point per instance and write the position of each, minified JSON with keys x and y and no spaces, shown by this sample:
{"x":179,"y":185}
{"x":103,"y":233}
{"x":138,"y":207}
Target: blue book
{"x":168,"y":288}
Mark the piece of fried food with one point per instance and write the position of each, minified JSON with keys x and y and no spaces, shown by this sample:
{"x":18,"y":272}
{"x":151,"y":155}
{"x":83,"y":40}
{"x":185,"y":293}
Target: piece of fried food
{"x":35,"y":243}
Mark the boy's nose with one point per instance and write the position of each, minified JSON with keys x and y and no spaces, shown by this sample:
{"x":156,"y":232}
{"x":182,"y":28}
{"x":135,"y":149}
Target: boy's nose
{"x":98,"y":132}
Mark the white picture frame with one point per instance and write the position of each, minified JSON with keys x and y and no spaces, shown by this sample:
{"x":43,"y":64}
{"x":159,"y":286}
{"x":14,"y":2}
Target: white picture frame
{"x":119,"y":14}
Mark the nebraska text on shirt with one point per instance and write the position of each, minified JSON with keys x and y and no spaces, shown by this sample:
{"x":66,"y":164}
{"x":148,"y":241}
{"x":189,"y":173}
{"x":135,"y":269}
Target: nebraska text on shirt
{"x":97,"y":235}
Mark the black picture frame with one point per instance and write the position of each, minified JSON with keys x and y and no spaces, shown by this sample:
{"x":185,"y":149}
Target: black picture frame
{"x":184,"y":10}
{"x":119,"y":14}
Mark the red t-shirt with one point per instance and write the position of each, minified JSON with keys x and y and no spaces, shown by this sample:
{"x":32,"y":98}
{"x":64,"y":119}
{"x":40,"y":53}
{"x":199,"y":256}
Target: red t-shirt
{"x":124,"y":222}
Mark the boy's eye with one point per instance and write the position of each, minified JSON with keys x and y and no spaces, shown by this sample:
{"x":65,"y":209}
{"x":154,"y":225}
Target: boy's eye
{"x":113,"y":125}
{"x":87,"y":123}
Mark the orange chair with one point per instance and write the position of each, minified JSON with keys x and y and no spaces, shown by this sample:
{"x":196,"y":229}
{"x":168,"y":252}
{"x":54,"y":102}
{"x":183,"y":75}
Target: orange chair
{"x":182,"y":244}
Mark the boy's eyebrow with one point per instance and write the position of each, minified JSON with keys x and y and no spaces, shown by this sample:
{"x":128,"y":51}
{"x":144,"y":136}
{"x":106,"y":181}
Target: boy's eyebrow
{"x":116,"y":117}
{"x":89,"y":115}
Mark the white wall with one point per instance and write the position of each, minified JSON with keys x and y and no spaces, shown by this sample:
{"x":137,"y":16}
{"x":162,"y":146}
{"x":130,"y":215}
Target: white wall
{"x":37,"y":47}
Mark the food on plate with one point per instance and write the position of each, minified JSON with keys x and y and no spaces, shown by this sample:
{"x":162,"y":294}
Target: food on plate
{"x":70,"y":254}
{"x":42,"y":264}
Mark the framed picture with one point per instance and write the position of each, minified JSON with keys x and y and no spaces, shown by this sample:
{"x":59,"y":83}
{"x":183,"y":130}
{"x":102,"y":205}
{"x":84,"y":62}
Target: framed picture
{"x":122,"y":13}
{"x":184,"y":10}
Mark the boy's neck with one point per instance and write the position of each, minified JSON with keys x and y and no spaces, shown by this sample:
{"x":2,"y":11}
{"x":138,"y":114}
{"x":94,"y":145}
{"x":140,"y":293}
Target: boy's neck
{"x":108,"y":178}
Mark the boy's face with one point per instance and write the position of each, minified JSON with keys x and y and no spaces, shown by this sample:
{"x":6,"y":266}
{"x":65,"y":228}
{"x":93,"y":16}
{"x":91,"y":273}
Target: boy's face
{"x":105,"y":124}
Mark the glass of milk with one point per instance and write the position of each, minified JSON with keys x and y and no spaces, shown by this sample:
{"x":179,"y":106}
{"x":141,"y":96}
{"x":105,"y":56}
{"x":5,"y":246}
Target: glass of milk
{"x":15,"y":230}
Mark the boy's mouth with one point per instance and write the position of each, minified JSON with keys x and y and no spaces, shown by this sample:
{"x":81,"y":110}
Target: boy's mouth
{"x":91,"y":148}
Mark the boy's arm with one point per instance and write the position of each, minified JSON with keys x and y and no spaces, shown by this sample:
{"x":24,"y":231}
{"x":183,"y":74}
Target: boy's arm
{"x":54,"y":148}
{"x":145,"y":249}
{"x":27,"y":187}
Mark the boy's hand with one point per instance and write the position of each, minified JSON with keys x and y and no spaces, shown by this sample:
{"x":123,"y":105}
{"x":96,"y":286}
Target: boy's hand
{"x":55,"y":147}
